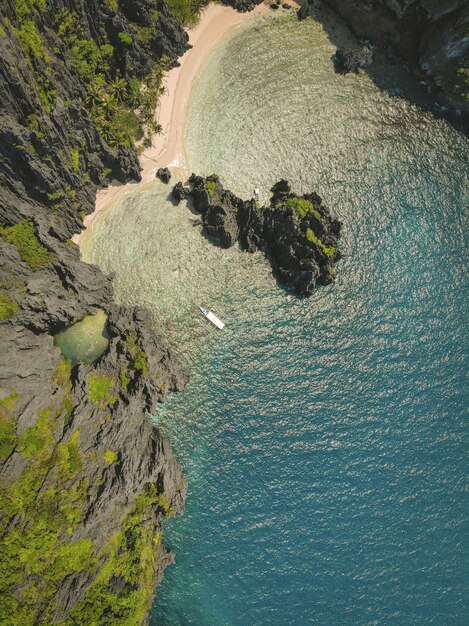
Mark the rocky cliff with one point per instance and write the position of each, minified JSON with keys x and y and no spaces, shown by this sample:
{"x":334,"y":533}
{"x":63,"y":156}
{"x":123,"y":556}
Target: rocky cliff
{"x":432,"y":35}
{"x":85,"y":479}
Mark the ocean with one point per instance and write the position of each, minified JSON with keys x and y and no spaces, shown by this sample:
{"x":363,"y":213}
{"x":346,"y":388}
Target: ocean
{"x":324,"y":439}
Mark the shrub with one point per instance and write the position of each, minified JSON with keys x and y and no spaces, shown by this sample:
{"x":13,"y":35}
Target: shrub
{"x":75,"y":156}
{"x":211,"y":187}
{"x":63,"y":372}
{"x":111,"y":457}
{"x":89,"y":59}
{"x":125,"y":380}
{"x":31,"y":41}
{"x":139,"y":356}
{"x":8,"y":436}
{"x":68,"y":457}
{"x":23,"y":236}
{"x":37,"y":440}
{"x":125,"y":38}
{"x":8,"y":307}
{"x":302,"y":207}
{"x":99,"y":389}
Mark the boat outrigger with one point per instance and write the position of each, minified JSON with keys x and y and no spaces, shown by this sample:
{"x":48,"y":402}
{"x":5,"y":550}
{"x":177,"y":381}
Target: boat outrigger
{"x":212,"y":317}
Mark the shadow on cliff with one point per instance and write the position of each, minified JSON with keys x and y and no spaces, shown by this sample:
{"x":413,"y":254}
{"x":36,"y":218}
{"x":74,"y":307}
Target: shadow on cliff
{"x":388,"y":71}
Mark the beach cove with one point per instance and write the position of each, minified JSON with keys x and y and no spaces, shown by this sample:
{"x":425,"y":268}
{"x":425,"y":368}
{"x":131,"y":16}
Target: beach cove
{"x":323,"y":439}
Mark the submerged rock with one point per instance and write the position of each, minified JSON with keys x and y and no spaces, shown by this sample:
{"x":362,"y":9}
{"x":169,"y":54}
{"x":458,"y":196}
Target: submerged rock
{"x":348,"y":60}
{"x":164,"y":174}
{"x":297,"y":233}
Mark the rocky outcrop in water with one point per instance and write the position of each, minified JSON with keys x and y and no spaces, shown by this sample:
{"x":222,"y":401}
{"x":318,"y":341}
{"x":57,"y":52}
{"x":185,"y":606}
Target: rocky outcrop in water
{"x":163,"y":174}
{"x":352,"y":59}
{"x":85,"y":477}
{"x":432,"y":35}
{"x":297,"y":233}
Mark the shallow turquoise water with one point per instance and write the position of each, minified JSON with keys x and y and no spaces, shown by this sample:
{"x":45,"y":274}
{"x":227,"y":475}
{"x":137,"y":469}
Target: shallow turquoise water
{"x":325,"y":440}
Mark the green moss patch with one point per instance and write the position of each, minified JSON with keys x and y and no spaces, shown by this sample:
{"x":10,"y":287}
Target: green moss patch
{"x":100,"y":390}
{"x":111,"y":457}
{"x":138,"y":354}
{"x":328,"y":250}
{"x":8,"y":436}
{"x":8,"y":307}
{"x":302,"y":207}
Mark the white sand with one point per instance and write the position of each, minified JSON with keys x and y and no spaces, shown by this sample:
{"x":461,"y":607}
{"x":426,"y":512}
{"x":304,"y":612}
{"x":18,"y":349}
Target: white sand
{"x":216,"y":22}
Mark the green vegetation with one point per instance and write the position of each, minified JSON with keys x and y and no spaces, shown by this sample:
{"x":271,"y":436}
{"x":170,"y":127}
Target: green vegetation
{"x":138,"y":354}
{"x":144,"y":33}
{"x":68,"y":457}
{"x":63,"y":372}
{"x":99,"y":390}
{"x":75,"y":156}
{"x":461,"y":82}
{"x":36,"y":555}
{"x":125,"y":38}
{"x":46,"y":94}
{"x":187,"y":10}
{"x":8,"y":306}
{"x":328,"y":250}
{"x":111,"y":457}
{"x":302,"y":207}
{"x":211,"y":187}
{"x":113,"y":4}
{"x":8,"y":436}
{"x":37,"y":440}
{"x":125,"y":380}
{"x":23,"y":236}
{"x":133,"y":554}
{"x":31,"y":41}
{"x":89,"y":59}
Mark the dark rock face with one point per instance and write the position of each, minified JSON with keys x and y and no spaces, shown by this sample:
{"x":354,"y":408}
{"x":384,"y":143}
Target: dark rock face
{"x":243,"y":6}
{"x":52,"y":160}
{"x":297,"y":234}
{"x":180,"y":192}
{"x":352,"y":59}
{"x":164,"y":174}
{"x":430,"y":34}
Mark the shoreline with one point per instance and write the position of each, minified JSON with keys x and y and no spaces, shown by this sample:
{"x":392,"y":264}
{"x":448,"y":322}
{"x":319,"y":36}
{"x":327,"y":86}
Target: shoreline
{"x":216,"y":22}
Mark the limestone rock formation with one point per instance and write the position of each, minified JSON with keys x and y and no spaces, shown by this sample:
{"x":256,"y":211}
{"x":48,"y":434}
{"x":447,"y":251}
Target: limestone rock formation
{"x":297,"y":233}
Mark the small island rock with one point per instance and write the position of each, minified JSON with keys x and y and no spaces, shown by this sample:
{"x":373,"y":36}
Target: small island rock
{"x":164,"y":174}
{"x":348,"y":60}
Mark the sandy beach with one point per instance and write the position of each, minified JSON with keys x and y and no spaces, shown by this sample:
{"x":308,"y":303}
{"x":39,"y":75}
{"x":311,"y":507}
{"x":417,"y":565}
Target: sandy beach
{"x":167,"y":149}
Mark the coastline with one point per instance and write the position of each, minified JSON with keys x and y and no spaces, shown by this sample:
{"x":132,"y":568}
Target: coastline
{"x":216,"y":22}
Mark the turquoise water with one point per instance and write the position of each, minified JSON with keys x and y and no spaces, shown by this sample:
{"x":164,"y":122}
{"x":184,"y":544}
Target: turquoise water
{"x":86,"y":340}
{"x":325,"y":440}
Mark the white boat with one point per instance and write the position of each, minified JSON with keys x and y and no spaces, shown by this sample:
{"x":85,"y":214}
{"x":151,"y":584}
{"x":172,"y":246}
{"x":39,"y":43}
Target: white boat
{"x":212,"y":317}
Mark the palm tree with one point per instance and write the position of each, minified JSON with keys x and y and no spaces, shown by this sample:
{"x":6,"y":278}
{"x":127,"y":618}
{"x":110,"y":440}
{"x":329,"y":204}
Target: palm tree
{"x":94,"y":96}
{"x":118,"y":89}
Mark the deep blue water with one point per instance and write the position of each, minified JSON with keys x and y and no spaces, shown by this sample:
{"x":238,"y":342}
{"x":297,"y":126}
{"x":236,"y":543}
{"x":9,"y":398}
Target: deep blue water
{"x":325,"y":440}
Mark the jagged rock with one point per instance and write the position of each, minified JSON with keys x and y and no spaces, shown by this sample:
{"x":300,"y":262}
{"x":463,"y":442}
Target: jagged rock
{"x":352,"y":59}
{"x":303,"y":12}
{"x":180,"y":192}
{"x":297,"y":234}
{"x":243,"y":6}
{"x":164,"y":174}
